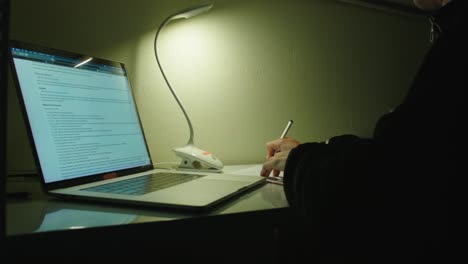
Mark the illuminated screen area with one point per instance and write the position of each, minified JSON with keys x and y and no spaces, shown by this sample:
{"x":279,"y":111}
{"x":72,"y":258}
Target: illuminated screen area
{"x":83,"y":119}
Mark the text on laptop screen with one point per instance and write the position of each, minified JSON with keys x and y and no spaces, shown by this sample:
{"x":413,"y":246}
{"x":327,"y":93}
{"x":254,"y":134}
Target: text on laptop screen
{"x":83,"y":119}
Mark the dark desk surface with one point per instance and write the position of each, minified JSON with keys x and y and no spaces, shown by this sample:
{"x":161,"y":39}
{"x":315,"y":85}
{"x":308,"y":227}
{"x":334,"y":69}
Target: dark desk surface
{"x":242,"y":228}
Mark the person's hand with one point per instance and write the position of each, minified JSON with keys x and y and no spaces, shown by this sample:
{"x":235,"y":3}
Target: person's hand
{"x":276,"y":164}
{"x":277,"y":154}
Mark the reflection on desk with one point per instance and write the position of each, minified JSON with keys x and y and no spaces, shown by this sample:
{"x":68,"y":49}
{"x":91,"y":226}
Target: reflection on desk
{"x":50,"y":214}
{"x":75,"y":219}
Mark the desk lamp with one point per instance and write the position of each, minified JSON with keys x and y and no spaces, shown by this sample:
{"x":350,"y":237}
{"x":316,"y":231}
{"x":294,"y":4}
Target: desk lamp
{"x":193,"y":158}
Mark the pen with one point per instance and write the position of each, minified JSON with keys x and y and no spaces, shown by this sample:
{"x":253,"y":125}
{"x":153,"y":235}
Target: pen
{"x":286,"y":129}
{"x":274,"y":179}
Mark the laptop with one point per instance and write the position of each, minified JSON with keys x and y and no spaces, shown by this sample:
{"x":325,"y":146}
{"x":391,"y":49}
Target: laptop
{"x":87,"y":137}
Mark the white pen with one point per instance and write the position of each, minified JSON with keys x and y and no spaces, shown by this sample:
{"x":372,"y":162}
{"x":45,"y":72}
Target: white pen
{"x":286,"y":129}
{"x":275,"y":179}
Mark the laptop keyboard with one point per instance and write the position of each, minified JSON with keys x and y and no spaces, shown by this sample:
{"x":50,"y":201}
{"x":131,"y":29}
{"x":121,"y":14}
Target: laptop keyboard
{"x":144,"y":184}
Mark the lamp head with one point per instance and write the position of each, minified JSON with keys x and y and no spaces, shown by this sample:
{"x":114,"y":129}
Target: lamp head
{"x":192,"y":11}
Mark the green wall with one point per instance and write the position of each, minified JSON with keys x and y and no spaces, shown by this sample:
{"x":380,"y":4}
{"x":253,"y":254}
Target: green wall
{"x":242,"y":70}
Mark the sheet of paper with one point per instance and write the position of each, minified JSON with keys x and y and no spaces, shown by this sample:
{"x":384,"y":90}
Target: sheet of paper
{"x":255,"y":170}
{"x":251,"y":170}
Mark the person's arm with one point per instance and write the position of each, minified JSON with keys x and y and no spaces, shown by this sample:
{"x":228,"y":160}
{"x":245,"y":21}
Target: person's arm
{"x":331,"y":188}
{"x":319,"y":173}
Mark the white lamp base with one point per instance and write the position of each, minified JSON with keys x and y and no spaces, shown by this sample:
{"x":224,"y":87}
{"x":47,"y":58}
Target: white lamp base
{"x":196,"y":159}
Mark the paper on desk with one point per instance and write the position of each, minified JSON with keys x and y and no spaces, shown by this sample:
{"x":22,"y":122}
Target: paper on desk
{"x":255,"y":170}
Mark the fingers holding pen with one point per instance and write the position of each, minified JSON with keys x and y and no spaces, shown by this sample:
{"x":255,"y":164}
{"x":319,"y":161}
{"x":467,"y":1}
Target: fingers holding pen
{"x":273,"y":147}
{"x":280,"y":145}
{"x":275,"y":164}
{"x":277,"y":153}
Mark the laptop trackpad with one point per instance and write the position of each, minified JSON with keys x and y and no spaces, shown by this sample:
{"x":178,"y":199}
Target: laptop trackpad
{"x":198,"y":192}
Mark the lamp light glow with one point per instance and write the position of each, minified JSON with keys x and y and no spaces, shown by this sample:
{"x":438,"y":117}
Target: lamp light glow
{"x":193,"y":158}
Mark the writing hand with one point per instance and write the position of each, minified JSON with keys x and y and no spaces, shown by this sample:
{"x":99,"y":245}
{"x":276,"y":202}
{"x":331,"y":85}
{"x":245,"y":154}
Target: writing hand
{"x":275,"y":164}
{"x":277,"y":154}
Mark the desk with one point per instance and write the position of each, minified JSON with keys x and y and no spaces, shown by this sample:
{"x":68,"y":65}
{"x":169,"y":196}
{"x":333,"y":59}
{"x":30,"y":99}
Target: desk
{"x":39,"y":224}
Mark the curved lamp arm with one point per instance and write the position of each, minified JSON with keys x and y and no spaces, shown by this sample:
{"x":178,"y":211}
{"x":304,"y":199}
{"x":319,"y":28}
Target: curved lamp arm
{"x":185,"y":13}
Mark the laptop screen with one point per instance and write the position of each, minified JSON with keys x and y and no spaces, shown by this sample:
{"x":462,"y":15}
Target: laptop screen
{"x":81,"y":113}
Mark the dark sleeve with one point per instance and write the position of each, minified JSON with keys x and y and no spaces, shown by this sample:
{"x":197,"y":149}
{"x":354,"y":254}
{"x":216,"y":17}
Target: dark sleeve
{"x":319,"y":175}
{"x":332,"y":188}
